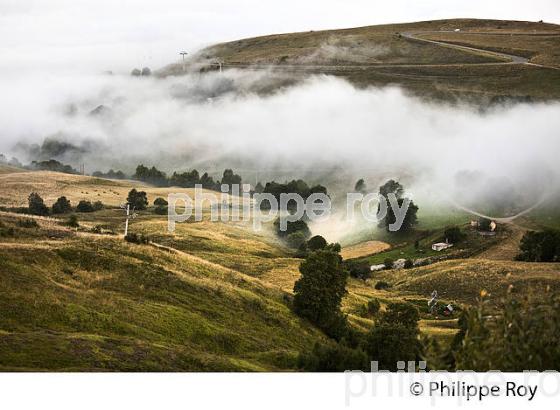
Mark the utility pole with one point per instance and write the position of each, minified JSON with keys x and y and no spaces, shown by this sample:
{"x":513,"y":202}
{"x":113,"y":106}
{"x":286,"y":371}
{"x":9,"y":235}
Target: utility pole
{"x":183,"y":54}
{"x":128,"y":216}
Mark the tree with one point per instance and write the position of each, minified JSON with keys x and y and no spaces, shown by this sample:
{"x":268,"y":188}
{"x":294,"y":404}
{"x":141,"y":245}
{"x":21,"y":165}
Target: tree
{"x":484,"y":224}
{"x":291,"y":227}
{"x":360,"y":186}
{"x":319,"y":291}
{"x":146,"y":72}
{"x":137,"y":199}
{"x":390,"y":343}
{"x":408,"y":264}
{"x":358,"y":269}
{"x":36,"y":205}
{"x":259,"y":188}
{"x":229,"y":178}
{"x":85,"y":206}
{"x":540,"y":246}
{"x":317,"y":242}
{"x":514,"y":335}
{"x":410,"y":219}
{"x":401,"y":313}
{"x":391,"y":187}
{"x":61,"y":206}
{"x":136,"y":72}
{"x":395,"y":338}
{"x":453,"y":234}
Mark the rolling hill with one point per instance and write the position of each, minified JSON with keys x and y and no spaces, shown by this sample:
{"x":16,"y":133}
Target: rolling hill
{"x":210,"y":296}
{"x":447,"y":59}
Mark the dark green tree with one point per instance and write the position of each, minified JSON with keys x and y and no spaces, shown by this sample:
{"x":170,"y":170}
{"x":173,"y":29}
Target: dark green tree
{"x":360,"y":186}
{"x":317,"y":242}
{"x":137,"y":199}
{"x":85,"y":206}
{"x":319,"y":291}
{"x":37,"y":205}
{"x":61,"y":206}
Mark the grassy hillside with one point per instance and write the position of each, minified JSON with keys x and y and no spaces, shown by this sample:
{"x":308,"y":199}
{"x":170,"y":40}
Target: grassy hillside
{"x":385,"y":54}
{"x":79,"y":301}
{"x":210,"y":296}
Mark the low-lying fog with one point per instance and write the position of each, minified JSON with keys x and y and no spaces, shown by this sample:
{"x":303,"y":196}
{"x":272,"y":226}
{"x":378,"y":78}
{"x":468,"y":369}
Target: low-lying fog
{"x":309,"y":129}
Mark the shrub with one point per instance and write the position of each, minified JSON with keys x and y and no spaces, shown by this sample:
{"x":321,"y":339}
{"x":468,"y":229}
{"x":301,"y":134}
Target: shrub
{"x":382,"y":285}
{"x":523,"y":334}
{"x":408,"y":264}
{"x":73,"y":221}
{"x":37,"y":205}
{"x":98,"y":206}
{"x":359,"y":270}
{"x":160,"y":202}
{"x":401,"y":313}
{"x":84,"y":206}
{"x":388,"y":262}
{"x":61,"y":206}
{"x":137,"y":238}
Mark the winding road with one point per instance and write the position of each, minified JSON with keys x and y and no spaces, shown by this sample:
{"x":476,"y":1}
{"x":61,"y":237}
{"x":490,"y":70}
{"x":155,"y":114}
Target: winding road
{"x":508,"y":59}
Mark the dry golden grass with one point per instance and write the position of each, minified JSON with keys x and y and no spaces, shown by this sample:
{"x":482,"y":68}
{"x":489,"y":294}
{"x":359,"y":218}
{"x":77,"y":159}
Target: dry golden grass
{"x":16,"y":186}
{"x":364,"y":249}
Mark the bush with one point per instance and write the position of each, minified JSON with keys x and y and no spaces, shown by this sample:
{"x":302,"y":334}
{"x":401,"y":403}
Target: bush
{"x":382,"y":285}
{"x":160,"y":202}
{"x":137,"y":238}
{"x":359,"y":270}
{"x":61,"y":206}
{"x":84,"y":206}
{"x":524,"y":334}
{"x":401,"y":313}
{"x":373,"y":307}
{"x":73,"y":222}
{"x":388,"y":262}
{"x":98,"y":206}
{"x":408,"y":264}
{"x":37,"y":205}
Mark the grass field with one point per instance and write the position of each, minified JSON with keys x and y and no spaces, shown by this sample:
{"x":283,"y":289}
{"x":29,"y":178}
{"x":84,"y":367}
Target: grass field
{"x":210,"y":296}
{"x":381,"y":55}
